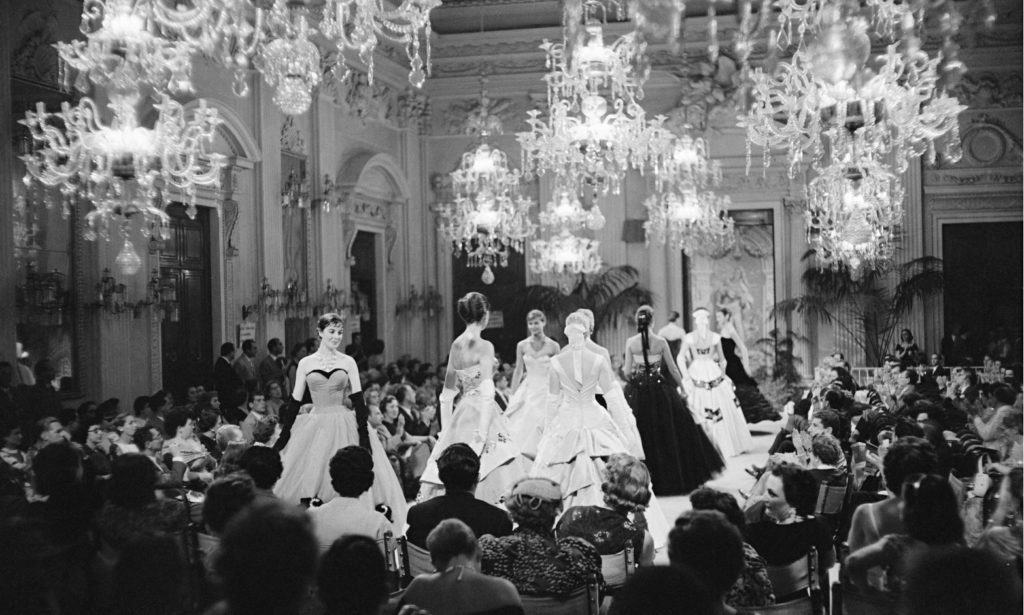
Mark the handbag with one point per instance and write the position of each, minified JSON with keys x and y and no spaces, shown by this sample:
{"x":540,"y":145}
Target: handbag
{"x":982,"y":481}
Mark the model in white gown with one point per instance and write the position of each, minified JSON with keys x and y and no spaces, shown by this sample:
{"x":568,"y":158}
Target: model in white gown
{"x":477,"y":419}
{"x":710,"y":392}
{"x":580,"y":434}
{"x":526,"y":407}
{"x":329,"y":426}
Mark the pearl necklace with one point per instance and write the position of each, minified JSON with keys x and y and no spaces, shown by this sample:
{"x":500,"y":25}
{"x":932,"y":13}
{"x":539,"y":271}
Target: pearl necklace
{"x":327,"y":360}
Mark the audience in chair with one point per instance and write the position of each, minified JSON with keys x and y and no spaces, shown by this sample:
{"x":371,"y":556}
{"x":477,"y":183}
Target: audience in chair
{"x":351,"y":471}
{"x":711,"y":546}
{"x":620,"y":522}
{"x":753,"y":587}
{"x":352,"y":577}
{"x":263,"y":464}
{"x":531,"y":558}
{"x":458,"y":588}
{"x":459,"y":470}
{"x":665,"y":590}
{"x":931,"y":520}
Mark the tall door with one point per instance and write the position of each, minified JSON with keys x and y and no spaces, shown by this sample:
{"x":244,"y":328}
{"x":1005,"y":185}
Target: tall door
{"x":364,"y":287}
{"x":187,"y":335}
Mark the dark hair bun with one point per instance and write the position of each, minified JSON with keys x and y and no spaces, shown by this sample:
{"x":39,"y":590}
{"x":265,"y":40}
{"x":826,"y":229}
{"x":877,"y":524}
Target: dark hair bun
{"x":643,"y":317}
{"x":472,"y":307}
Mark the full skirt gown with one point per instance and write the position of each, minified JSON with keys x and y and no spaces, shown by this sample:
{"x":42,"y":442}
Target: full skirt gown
{"x":477,"y":421}
{"x":577,"y":440}
{"x":318,"y":435}
{"x":753,"y":404}
{"x":526,"y":409}
{"x":713,"y":403}
{"x":680,"y":456}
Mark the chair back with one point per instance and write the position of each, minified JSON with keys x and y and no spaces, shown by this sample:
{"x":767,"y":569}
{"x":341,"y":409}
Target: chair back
{"x":582,"y":601}
{"x":831,"y":499}
{"x":848,"y":601}
{"x":800,"y":606}
{"x":790,"y":578}
{"x":415,"y":561}
{"x":618,"y":567}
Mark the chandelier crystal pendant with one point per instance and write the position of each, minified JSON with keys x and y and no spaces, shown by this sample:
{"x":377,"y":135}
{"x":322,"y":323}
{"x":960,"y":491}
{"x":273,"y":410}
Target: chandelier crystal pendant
{"x":359,"y":24}
{"x":565,"y":211}
{"x":290,"y":62}
{"x":122,"y":168}
{"x":853,"y":214}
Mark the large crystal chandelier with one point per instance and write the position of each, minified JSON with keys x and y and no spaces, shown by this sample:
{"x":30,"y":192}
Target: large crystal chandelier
{"x":565,"y":211}
{"x":830,"y":100}
{"x":488,"y":216}
{"x":853,"y":214}
{"x":290,"y":62}
{"x":595,"y":129}
{"x":565,"y":254}
{"x":357,"y":24}
{"x":685,"y":211}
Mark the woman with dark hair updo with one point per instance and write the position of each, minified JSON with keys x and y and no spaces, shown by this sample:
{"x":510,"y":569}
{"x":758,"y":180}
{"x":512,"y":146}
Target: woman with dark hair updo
{"x":337,"y":418}
{"x":627,"y":492}
{"x":477,"y":420}
{"x":679,"y":454}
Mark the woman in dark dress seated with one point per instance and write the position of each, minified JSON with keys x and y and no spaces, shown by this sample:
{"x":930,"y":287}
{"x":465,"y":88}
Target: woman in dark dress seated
{"x":627,"y":490}
{"x":789,"y":529}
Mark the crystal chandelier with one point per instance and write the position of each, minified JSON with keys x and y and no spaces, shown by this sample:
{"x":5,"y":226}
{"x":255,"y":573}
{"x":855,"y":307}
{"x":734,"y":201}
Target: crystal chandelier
{"x":489,"y":216}
{"x":853,"y":212}
{"x":290,"y":62}
{"x":831,"y":99}
{"x":595,"y":129}
{"x":357,"y":24}
{"x":122,"y":168}
{"x":565,"y":254}
{"x":565,"y":211}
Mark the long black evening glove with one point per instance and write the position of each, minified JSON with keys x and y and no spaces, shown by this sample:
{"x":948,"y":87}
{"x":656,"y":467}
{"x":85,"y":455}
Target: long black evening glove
{"x":362,"y":418}
{"x":287,"y":413}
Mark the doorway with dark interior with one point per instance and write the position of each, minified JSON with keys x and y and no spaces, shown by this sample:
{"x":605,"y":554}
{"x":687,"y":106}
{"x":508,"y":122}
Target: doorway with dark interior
{"x":187,"y":326}
{"x":363,"y":318}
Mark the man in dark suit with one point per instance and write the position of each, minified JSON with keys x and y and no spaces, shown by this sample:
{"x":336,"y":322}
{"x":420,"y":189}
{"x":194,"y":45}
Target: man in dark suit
{"x":459,"y":469}
{"x":225,"y":379}
{"x":272,"y":366}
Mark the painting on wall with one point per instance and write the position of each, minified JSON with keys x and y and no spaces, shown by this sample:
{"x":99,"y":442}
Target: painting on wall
{"x":741,"y":280}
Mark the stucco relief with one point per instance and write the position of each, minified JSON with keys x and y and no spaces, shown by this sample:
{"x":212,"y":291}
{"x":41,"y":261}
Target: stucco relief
{"x":414,"y":111}
{"x":989,"y":89}
{"x":708,"y":94}
{"x":292,"y":139}
{"x":33,"y":56}
{"x":366,"y":102}
{"x":472,"y":117}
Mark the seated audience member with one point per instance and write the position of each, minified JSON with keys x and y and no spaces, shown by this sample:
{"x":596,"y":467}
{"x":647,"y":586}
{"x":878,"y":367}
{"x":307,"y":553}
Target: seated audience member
{"x":352,"y":577}
{"x":990,"y":426}
{"x":95,"y":456}
{"x":206,"y":424}
{"x":906,"y":457}
{"x":11,"y":453}
{"x":351,"y":471}
{"x":459,"y":588}
{"x":1003,"y":537}
{"x":265,"y":433}
{"x":825,"y":460}
{"x":531,"y":558}
{"x":267,"y":560}
{"x":185,"y":448}
{"x":707,"y":543}
{"x":149,"y":577}
{"x":459,"y":469}
{"x":274,"y":396}
{"x":664,"y":590}
{"x":225,"y":498}
{"x":263,"y":464}
{"x":133,"y":509}
{"x":258,"y":414}
{"x":961,"y":581}
{"x":753,"y":587}
{"x":789,"y":529}
{"x":151,"y":445}
{"x":627,"y":491}
{"x":931,"y":520}
{"x":126,"y":426}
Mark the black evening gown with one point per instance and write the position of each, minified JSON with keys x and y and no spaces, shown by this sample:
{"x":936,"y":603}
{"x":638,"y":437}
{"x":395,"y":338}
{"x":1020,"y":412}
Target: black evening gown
{"x":680,"y":456}
{"x":754,"y":405}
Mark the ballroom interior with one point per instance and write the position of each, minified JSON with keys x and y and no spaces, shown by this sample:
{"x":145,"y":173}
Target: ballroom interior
{"x":347,"y":202}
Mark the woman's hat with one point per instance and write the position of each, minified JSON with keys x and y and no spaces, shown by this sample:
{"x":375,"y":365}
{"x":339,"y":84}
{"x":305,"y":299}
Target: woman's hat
{"x":543,"y":488}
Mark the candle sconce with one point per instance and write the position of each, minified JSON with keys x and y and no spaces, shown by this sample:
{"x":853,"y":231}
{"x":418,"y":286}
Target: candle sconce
{"x":42,"y":296}
{"x":333,"y":300}
{"x":113,"y":296}
{"x":163,"y":293}
{"x":416,"y":304}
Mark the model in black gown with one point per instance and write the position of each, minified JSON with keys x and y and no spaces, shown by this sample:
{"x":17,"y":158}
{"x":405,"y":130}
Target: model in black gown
{"x":754,"y":405}
{"x":678,"y":453}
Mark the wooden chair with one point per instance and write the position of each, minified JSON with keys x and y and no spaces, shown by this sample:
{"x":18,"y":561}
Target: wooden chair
{"x":848,"y":601}
{"x":583,"y":601}
{"x":618,"y":567}
{"x":799,"y":576}
{"x":415,"y":561}
{"x":390,"y":548}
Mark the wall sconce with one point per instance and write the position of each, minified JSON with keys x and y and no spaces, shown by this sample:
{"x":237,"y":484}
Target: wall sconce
{"x":163,"y":293}
{"x":295,"y":297}
{"x":269,"y":299}
{"x":295,"y":192}
{"x":331,"y":194}
{"x":333,"y":300}
{"x":112,"y":294}
{"x":42,"y":295}
{"x":416,"y":304}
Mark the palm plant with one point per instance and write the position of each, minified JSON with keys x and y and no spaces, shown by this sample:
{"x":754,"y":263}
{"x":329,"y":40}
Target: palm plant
{"x":869,"y":306}
{"x":610,"y":294}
